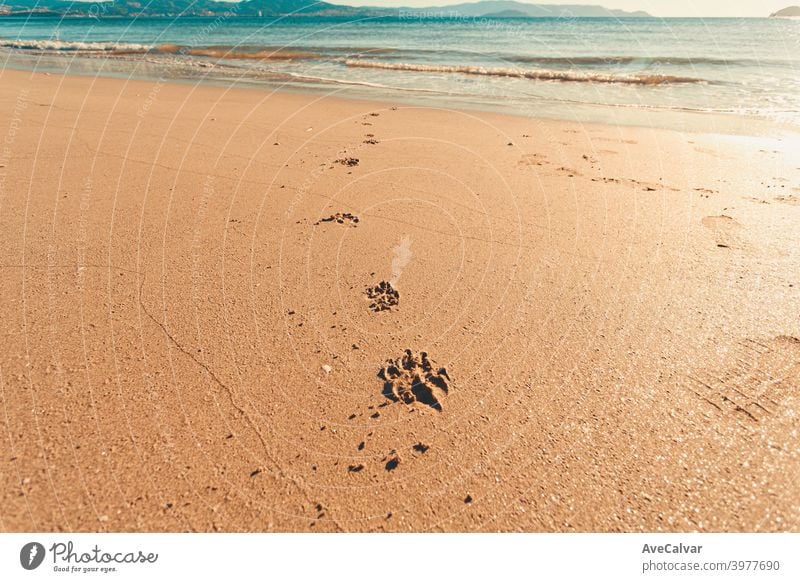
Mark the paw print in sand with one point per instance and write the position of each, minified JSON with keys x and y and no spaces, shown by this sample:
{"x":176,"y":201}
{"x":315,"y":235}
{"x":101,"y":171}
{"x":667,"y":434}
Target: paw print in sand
{"x":412,"y":378}
{"x":340,"y":218}
{"x":350,"y":162}
{"x":383,"y":296}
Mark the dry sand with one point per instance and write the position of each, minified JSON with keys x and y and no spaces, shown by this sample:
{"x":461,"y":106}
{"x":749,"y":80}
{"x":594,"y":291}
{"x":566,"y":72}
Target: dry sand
{"x":188,"y":345}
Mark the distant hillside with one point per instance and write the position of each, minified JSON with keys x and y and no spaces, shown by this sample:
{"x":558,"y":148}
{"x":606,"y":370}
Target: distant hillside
{"x":510,"y":8}
{"x":115,"y":7}
{"x":789,"y":11}
{"x":294,"y":7}
{"x":174,"y":7}
{"x":268,"y":8}
{"x":507,"y":14}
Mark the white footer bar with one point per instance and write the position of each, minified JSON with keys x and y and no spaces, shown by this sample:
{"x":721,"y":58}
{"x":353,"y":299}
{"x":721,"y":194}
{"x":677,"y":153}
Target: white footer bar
{"x":402,"y":557}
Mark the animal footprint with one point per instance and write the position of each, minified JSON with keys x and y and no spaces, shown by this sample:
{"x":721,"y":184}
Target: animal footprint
{"x":756,"y":383}
{"x":532,"y":160}
{"x":412,"y":378}
{"x":789,"y":199}
{"x":383,"y":296}
{"x":571,"y":172}
{"x":340,"y":218}
{"x":348,"y":161}
{"x":724,"y":229}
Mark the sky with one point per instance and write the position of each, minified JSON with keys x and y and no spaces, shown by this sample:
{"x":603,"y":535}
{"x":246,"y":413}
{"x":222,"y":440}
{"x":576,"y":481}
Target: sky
{"x":654,"y":7}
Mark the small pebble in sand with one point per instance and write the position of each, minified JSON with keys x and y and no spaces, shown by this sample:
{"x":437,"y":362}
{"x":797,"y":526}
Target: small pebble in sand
{"x":326,"y":368}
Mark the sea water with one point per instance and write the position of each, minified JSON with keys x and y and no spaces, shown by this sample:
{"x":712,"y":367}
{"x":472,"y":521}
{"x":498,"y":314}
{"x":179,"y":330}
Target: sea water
{"x":606,"y":69}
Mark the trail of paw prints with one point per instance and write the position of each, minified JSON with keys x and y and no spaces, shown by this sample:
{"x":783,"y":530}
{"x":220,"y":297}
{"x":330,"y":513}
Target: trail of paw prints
{"x":412,"y":382}
{"x":595,"y":166}
{"x":592,"y":165}
{"x":645,"y":186}
{"x":775,"y":191}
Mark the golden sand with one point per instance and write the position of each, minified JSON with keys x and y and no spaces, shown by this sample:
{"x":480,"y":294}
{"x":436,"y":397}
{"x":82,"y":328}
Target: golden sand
{"x":187,"y":278}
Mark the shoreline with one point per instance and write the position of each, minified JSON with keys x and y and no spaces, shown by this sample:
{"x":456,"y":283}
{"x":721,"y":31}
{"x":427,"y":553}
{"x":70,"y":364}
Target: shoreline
{"x":201,"y":72}
{"x":199,"y":336}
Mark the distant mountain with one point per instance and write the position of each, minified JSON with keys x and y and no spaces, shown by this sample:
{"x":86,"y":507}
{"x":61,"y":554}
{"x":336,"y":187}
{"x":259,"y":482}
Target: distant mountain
{"x":789,"y":11}
{"x":512,"y":9}
{"x":269,"y":8}
{"x":103,"y":8}
{"x":506,"y":14}
{"x":299,"y":8}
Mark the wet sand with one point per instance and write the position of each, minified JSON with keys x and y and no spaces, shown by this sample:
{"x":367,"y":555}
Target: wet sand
{"x":207,"y":296}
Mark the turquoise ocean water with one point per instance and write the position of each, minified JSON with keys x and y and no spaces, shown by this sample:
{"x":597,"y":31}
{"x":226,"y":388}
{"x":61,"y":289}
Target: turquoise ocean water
{"x":587,"y":69}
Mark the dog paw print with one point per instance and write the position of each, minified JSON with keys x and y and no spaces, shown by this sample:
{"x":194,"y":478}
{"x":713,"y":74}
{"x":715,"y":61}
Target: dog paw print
{"x":349,"y":162}
{"x":382,"y":296}
{"x":415,"y":378}
{"x":340,"y":218}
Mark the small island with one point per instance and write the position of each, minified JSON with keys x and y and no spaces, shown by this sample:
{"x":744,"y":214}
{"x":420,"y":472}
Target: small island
{"x":787,"y":12}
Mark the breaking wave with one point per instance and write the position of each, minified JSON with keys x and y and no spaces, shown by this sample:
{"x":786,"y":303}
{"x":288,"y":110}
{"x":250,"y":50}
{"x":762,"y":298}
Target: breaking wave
{"x":67,"y":46}
{"x":237,"y":53}
{"x":535,"y":74}
{"x":124,"y":48}
{"x":629,"y":60}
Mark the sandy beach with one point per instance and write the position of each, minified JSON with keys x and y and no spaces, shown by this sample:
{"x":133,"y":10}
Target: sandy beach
{"x":207,"y":295}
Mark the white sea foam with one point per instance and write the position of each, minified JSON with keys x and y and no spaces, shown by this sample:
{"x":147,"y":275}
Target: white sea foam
{"x":535,"y":74}
{"x":63,"y":45}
